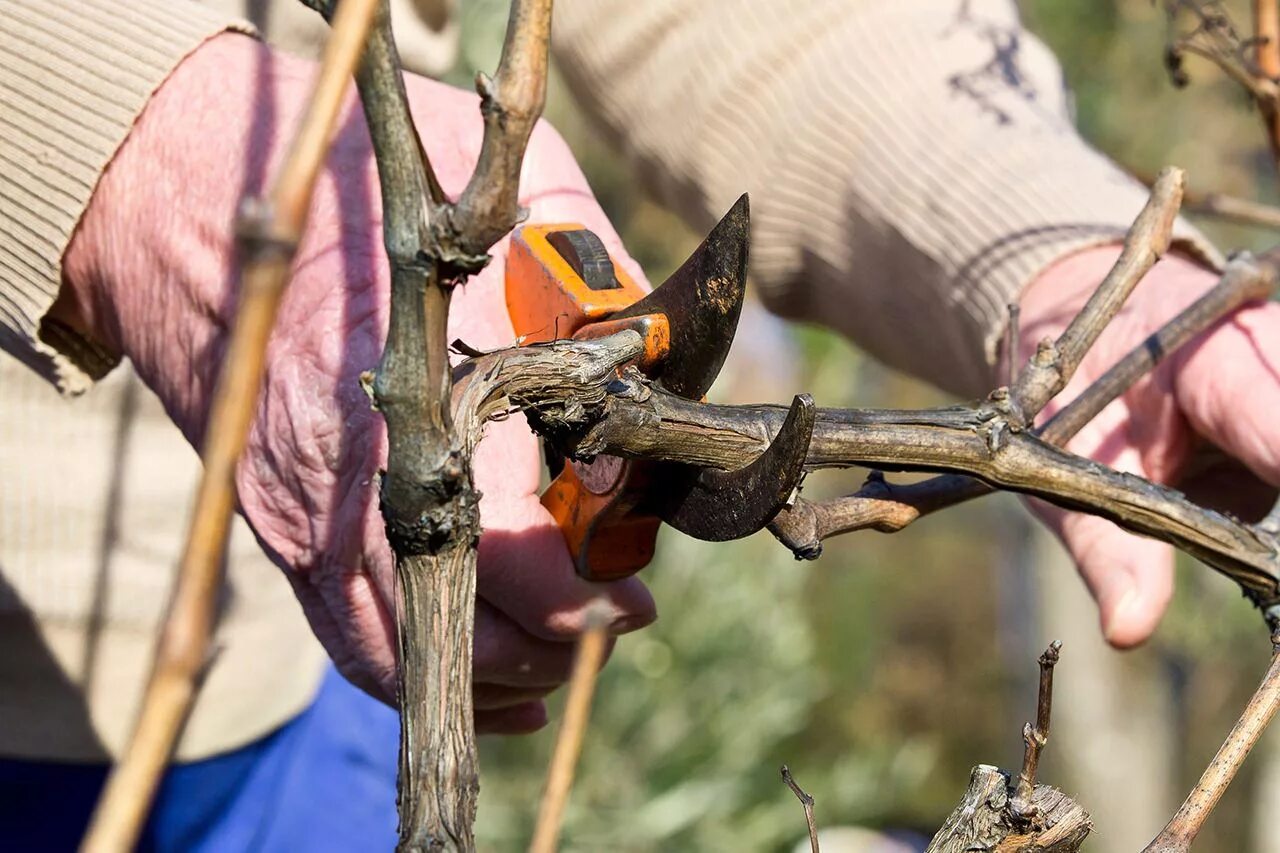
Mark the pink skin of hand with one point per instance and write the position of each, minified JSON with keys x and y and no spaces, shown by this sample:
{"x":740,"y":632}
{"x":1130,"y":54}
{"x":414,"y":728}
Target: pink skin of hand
{"x":151,"y":273}
{"x":1221,"y":390}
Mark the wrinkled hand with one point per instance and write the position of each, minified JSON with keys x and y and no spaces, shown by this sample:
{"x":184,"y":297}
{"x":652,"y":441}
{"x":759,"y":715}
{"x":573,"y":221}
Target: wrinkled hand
{"x":1221,"y":391}
{"x":152,"y":272}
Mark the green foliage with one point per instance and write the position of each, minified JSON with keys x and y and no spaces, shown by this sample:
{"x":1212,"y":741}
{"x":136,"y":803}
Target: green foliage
{"x":689,"y":716}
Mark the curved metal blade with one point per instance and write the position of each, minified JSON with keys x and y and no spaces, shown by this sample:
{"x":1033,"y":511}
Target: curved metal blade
{"x":720,"y":505}
{"x":702,"y":301}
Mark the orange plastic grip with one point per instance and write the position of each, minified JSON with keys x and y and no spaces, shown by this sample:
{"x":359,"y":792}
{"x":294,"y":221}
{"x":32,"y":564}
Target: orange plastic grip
{"x":546,"y":298}
{"x":594,"y":504}
{"x":607,"y":539}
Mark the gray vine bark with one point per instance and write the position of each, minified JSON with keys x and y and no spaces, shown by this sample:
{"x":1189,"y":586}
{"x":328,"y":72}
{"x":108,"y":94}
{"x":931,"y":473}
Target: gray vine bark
{"x":983,"y":821}
{"x":428,"y":499}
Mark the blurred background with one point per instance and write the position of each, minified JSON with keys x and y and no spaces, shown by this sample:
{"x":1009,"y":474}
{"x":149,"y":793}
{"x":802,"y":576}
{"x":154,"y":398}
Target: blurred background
{"x":882,"y":673}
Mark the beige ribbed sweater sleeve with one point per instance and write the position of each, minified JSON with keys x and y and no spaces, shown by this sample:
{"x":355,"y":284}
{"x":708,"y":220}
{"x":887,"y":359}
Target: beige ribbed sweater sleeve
{"x":74,"y":74}
{"x":912,"y":164}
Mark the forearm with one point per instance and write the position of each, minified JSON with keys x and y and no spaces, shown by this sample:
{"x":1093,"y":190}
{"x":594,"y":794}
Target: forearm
{"x":910,"y":168}
{"x":151,"y":271}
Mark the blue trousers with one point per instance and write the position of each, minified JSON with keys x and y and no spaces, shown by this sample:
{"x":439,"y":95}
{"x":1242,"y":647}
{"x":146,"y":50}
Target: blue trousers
{"x":326,"y":781}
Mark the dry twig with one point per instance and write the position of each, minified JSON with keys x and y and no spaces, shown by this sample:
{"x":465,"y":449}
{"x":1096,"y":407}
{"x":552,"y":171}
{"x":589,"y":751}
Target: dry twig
{"x":807,"y":802}
{"x":1253,"y":62}
{"x":577,"y":710}
{"x":1213,"y":35}
{"x":1266,"y":31}
{"x":999,"y":817}
{"x":803,"y":527}
{"x":1241,"y":211}
{"x":1185,"y":825}
{"x":1035,"y":737}
{"x":269,"y":234}
{"x":1266,"y":35}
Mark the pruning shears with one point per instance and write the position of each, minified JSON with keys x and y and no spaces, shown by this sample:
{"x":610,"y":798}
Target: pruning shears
{"x":562,"y":283}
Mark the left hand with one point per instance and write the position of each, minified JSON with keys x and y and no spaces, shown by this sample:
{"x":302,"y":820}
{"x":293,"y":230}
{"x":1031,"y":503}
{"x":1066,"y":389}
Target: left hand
{"x":1220,"y":391}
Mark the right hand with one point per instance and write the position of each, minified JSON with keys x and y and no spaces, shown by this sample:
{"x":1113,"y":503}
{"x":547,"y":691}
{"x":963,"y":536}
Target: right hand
{"x":1220,"y":391}
{"x":151,"y":274}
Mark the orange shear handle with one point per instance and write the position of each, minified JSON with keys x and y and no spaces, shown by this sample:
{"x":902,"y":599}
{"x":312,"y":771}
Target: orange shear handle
{"x":561,"y":283}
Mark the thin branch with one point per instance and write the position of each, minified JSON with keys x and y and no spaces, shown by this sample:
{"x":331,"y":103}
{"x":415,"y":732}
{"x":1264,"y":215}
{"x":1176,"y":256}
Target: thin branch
{"x":1266,"y":32}
{"x":804,"y":525}
{"x":269,"y":234}
{"x":1054,"y":362}
{"x":1263,"y":91}
{"x":1185,"y":825}
{"x":994,"y":815}
{"x":1242,"y":211}
{"x":977,"y":442}
{"x":577,"y":710}
{"x":807,"y":802}
{"x":511,"y":104}
{"x":1035,"y":737}
{"x":1252,"y":62}
{"x":1012,"y":333}
{"x":889,"y":507}
{"x":1213,"y":36}
{"x":1266,"y":35}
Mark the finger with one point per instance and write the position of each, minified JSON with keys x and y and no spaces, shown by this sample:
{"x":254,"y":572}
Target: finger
{"x":517,"y":720}
{"x":1130,"y":577}
{"x":1228,"y":386}
{"x":491,"y":697}
{"x":1214,"y":479}
{"x":367,"y":626}
{"x":337,"y":644}
{"x":525,"y":572}
{"x":507,"y":654}
{"x":524,"y":566}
